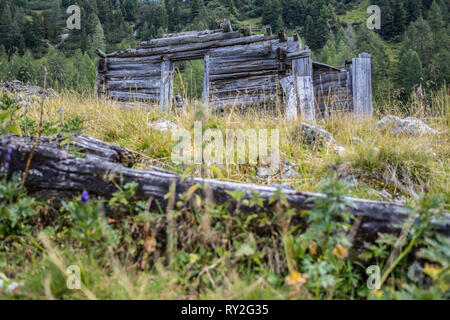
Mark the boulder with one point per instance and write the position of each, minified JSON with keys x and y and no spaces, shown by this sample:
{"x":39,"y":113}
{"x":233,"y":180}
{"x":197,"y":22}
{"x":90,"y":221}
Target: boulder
{"x":270,"y":166}
{"x":407,"y":126}
{"x":316,"y":136}
{"x":163,"y":125}
{"x":24,"y":93}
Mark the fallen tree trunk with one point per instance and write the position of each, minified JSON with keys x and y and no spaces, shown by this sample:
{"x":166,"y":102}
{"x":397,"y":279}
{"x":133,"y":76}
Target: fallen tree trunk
{"x":55,"y":170}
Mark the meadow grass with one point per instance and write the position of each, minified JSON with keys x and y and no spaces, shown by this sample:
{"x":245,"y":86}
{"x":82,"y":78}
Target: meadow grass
{"x":197,"y":250}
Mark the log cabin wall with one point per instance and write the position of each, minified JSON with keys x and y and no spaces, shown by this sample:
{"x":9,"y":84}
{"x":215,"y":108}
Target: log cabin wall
{"x":240,"y":68}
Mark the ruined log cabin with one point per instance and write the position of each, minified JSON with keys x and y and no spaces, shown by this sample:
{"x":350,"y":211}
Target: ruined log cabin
{"x":240,"y":68}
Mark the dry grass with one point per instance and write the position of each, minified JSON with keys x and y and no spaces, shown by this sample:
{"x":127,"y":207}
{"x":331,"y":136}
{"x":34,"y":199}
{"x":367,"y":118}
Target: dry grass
{"x":402,"y":165}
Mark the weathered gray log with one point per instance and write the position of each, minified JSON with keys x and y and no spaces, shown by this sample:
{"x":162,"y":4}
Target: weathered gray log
{"x":144,"y":72}
{"x":188,"y":39}
{"x":53,"y":171}
{"x":135,"y":60}
{"x":191,"y":46}
{"x":133,"y":84}
{"x":330,"y":85}
{"x":132,"y":95}
{"x":144,"y":66}
{"x":239,"y":75}
{"x":325,"y":77}
{"x":220,"y":103}
{"x":206,"y":81}
{"x":255,"y":65}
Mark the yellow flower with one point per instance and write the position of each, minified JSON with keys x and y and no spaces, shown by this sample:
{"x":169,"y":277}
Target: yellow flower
{"x":432,"y":270}
{"x":296,"y":278}
{"x":378,"y":294}
{"x":340,"y":252}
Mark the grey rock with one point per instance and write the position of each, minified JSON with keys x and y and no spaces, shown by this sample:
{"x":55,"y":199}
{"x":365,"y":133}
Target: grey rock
{"x":26,"y":94}
{"x":356,"y":140}
{"x":316,"y":136}
{"x":407,"y":126}
{"x":270,"y":166}
{"x":163,"y":125}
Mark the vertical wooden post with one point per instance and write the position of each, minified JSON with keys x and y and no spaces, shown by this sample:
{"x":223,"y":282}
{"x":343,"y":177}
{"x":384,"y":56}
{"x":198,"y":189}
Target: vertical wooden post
{"x":302,"y":71}
{"x":165,"y":99}
{"x":362,"y":85}
{"x":206,"y":79}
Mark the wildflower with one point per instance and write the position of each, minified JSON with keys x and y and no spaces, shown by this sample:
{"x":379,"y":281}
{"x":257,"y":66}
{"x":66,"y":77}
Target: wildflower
{"x":340,"y":252}
{"x":85,"y":197}
{"x":296,"y":278}
{"x":26,"y":111}
{"x":378,"y":294}
{"x":432,"y":270}
{"x":13,"y":287}
{"x":439,"y":142}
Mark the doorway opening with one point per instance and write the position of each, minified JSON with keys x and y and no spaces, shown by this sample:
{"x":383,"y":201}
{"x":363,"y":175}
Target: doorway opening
{"x":188,"y":79}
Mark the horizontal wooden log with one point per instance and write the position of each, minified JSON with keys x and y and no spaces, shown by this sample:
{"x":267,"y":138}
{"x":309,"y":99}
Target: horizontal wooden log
{"x":258,"y":65}
{"x":242,"y":59}
{"x":244,"y":90}
{"x":134,"y":73}
{"x":240,"y":75}
{"x":135,"y":66}
{"x":130,"y":96}
{"x":243,"y":50}
{"x":187,"y":55}
{"x":185,"y":39}
{"x":53,"y":170}
{"x":222,"y":102}
{"x":133,"y":84}
{"x":134,"y":60}
{"x":326,"y":77}
{"x":268,"y":83}
{"x":191,"y":47}
{"x":325,"y":87}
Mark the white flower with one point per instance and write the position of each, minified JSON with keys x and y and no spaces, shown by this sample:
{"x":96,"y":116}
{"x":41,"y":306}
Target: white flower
{"x":13,"y":287}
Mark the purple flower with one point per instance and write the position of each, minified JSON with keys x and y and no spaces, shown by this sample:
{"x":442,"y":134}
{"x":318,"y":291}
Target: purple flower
{"x":85,"y":197}
{"x":439,"y":142}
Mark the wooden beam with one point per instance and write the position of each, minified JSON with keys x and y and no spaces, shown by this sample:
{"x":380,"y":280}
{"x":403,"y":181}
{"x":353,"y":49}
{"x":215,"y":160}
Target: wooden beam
{"x":302,"y":71}
{"x":206,"y":82}
{"x":362,"y":86}
{"x":188,"y":39}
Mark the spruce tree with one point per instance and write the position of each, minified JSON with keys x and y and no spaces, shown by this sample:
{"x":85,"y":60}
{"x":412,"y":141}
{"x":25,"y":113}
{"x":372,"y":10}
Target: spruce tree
{"x":409,"y":71}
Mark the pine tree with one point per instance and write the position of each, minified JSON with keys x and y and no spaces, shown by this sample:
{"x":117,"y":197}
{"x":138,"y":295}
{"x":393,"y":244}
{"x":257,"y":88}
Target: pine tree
{"x":419,"y":38}
{"x":97,"y":39}
{"x":198,"y":6}
{"x":435,"y":18}
{"x":6,"y":32}
{"x":409,"y":71}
